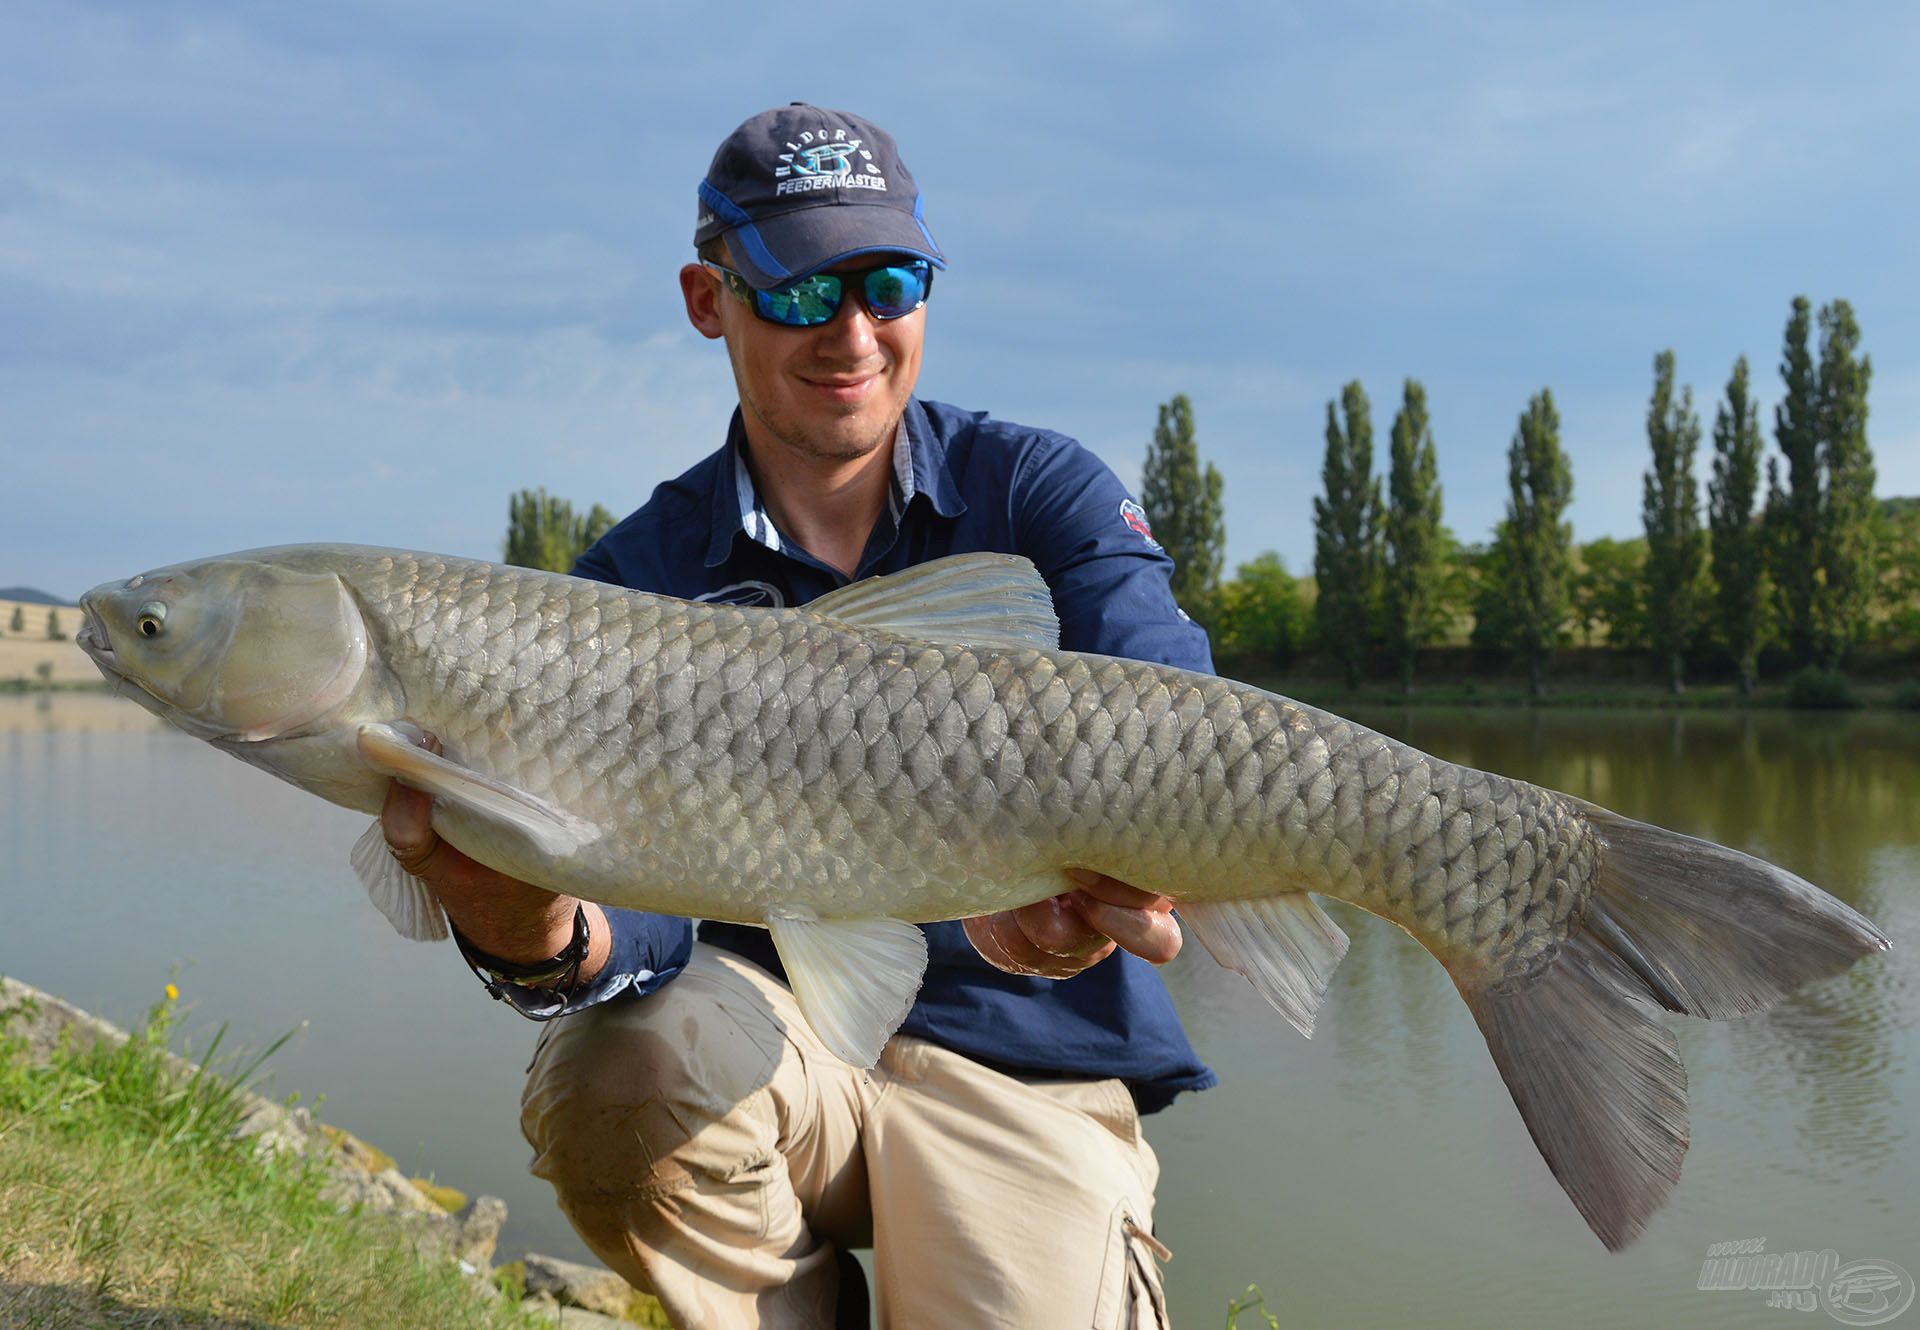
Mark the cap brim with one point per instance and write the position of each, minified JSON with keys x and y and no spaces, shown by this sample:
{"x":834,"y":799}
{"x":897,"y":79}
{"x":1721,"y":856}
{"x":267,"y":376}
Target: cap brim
{"x":788,"y":247}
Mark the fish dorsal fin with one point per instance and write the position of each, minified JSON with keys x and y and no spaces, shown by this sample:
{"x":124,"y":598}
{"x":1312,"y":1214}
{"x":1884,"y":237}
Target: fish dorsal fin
{"x":855,"y":979}
{"x":967,"y":600}
{"x":1285,"y":946}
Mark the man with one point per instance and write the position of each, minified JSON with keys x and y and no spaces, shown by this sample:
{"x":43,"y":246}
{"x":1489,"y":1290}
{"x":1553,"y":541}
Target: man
{"x":696,"y":1132}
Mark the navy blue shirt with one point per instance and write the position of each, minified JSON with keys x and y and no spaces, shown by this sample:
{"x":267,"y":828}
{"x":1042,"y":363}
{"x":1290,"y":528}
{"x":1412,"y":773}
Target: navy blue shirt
{"x":962,"y":482}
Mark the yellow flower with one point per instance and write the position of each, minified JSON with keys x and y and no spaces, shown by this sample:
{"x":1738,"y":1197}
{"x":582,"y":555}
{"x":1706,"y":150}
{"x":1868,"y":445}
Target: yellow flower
{"x":173,"y":994}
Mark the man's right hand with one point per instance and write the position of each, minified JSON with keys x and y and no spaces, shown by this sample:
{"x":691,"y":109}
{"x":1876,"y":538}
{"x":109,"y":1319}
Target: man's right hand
{"x":502,"y":916}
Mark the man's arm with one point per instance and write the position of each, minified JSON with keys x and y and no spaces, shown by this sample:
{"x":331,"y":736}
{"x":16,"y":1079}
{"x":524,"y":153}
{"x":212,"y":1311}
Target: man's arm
{"x":516,"y":922}
{"x":502,"y":916}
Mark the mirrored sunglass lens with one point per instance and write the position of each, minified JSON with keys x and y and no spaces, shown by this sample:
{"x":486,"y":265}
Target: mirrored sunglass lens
{"x":893,"y":292}
{"x":807,"y":302}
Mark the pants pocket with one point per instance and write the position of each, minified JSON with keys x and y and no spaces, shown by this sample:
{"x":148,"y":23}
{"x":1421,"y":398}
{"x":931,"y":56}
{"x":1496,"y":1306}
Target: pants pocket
{"x":1131,"y":1297}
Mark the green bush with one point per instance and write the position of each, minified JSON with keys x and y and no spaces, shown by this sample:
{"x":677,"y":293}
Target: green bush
{"x":1908,"y":695}
{"x":1816,"y":689}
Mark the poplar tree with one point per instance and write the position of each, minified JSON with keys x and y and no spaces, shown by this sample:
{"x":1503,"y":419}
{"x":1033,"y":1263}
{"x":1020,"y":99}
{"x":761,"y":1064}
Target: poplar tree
{"x":1846,"y":528}
{"x":1534,"y":566}
{"x":1413,"y":535}
{"x":1795,"y":510}
{"x":1185,"y":508}
{"x":1346,"y":523}
{"x":1670,"y":509}
{"x":53,"y":627}
{"x":543,"y":531}
{"x":1739,"y":550}
{"x":18,"y":623}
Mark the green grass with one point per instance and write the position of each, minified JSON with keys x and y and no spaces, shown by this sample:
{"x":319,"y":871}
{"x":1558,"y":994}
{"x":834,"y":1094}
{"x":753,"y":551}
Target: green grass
{"x":127,"y":1201}
{"x":1253,"y":1300}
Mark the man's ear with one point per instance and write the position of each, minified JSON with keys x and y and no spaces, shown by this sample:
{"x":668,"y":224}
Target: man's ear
{"x":701,"y":291}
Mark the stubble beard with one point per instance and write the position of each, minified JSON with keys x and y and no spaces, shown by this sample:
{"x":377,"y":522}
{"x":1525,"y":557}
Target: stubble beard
{"x":809,"y":444}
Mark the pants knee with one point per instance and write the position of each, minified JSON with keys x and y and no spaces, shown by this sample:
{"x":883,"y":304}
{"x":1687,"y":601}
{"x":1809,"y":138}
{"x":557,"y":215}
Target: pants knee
{"x":642,"y":1099}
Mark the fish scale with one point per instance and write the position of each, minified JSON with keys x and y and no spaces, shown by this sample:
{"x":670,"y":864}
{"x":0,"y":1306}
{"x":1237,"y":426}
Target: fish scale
{"x":916,"y":748}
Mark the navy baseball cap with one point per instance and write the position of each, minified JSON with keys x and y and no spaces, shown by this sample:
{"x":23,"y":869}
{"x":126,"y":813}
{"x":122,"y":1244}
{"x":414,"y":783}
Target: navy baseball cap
{"x":799,"y":188}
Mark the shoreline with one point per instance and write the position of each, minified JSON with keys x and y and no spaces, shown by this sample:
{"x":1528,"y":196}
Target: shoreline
{"x":439,"y":1222}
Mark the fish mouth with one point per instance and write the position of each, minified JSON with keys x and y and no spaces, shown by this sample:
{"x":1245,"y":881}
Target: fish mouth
{"x":93,"y":638}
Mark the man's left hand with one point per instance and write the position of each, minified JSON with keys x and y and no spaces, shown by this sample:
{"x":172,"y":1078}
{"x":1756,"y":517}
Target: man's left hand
{"x":1058,"y":937}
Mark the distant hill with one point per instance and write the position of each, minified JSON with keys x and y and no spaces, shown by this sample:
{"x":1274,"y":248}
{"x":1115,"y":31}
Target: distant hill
{"x":30,"y":596}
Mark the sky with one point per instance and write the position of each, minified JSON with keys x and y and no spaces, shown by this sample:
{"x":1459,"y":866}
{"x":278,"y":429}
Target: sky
{"x":358,"y":271}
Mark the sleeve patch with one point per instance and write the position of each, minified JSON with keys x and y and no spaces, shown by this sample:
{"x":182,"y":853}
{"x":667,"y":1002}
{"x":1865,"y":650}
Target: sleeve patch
{"x":1136,"y":517}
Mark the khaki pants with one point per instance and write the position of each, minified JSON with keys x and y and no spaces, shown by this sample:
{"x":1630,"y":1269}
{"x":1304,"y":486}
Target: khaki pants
{"x":710,"y":1150}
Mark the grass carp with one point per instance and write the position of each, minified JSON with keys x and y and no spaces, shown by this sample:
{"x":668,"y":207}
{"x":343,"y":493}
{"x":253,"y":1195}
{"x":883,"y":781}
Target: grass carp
{"x":917,"y":747}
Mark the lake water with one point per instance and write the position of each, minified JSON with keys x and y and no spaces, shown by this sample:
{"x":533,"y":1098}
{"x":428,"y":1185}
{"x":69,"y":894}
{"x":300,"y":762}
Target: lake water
{"x":1377,"y":1176}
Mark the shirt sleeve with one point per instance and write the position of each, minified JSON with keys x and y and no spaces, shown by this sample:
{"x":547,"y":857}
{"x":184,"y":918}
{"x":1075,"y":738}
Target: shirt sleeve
{"x":648,"y":950}
{"x":1111,"y":582}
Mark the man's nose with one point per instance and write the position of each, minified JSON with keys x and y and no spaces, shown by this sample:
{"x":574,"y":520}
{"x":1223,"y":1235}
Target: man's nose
{"x":852,"y":334}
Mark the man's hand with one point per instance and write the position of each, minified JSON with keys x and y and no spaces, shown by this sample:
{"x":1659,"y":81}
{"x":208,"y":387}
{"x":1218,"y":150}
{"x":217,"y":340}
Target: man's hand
{"x":1063,"y":935}
{"x":502,"y":916}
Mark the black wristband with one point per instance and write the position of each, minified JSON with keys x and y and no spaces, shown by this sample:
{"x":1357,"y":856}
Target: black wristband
{"x":554,"y":979}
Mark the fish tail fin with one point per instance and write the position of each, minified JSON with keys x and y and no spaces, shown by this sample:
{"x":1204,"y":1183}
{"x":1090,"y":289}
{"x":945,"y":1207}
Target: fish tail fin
{"x":1673,"y":922}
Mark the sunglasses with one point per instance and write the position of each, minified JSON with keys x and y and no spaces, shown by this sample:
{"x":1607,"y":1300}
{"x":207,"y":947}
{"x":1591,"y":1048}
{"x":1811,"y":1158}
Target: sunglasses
{"x":889,"y":291}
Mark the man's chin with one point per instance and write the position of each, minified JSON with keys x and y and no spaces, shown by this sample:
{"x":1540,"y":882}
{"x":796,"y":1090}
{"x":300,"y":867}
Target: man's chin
{"x":845,"y":436}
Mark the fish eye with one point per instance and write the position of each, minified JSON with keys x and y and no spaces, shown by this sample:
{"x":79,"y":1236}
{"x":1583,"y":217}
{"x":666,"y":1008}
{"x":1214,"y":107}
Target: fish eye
{"x":152,"y":620}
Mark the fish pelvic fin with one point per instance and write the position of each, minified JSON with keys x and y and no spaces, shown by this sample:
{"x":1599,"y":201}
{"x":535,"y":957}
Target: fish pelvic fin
{"x":1672,"y":922}
{"x":855,"y":979}
{"x":1285,"y":946}
{"x":409,"y":904}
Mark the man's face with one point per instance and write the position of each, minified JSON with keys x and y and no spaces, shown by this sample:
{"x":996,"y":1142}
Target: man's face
{"x":832,"y":392}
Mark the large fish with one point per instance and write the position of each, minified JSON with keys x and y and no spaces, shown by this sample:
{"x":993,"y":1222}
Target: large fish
{"x":917,"y":747}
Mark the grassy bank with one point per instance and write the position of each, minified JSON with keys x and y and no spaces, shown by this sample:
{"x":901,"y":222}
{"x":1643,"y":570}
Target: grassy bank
{"x":127,"y":1200}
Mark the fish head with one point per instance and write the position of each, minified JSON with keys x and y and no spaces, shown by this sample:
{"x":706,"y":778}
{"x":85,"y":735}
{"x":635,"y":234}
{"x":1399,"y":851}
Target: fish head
{"x":236,"y":649}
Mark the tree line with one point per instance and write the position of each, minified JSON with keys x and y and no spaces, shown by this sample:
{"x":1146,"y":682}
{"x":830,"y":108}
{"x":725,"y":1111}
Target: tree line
{"x":1809,"y":570}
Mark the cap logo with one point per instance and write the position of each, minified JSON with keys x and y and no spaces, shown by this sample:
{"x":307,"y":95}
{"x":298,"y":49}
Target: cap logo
{"x":823,"y":160}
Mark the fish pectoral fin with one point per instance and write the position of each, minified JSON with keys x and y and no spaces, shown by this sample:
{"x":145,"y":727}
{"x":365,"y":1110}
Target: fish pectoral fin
{"x":965,"y":599}
{"x":409,"y":904}
{"x":554,"y":831}
{"x":1285,"y":946}
{"x":855,"y":979}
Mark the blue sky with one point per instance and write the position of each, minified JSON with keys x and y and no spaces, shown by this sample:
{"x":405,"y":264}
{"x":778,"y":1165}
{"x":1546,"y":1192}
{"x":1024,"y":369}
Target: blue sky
{"x":356,"y":271}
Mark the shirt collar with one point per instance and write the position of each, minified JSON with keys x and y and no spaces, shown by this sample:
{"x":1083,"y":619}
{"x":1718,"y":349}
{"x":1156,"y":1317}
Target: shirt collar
{"x":919,"y":467}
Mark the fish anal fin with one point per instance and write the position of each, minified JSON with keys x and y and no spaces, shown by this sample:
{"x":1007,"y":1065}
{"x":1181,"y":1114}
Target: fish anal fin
{"x":1597,"y":1079}
{"x":855,"y":979}
{"x":1285,"y":946}
{"x":408,"y":903}
{"x":550,"y":829}
{"x":965,"y":599}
